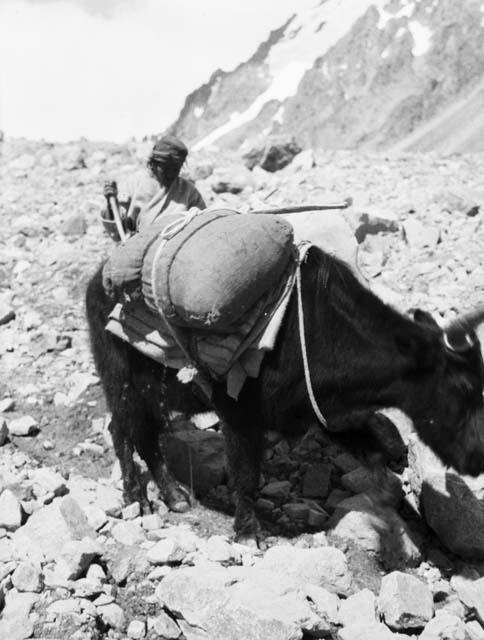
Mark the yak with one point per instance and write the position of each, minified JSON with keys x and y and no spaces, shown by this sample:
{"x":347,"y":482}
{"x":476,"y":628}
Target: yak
{"x":359,"y":355}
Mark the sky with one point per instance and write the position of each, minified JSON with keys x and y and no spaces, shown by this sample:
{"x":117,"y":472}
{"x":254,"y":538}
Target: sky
{"x":114,"y":69}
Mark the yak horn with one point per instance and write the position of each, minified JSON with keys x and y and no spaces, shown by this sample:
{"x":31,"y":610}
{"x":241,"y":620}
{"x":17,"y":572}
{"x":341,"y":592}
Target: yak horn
{"x":469,"y":320}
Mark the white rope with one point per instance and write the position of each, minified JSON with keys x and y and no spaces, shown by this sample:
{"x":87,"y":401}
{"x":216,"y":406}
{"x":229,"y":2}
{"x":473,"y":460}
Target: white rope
{"x":302,"y":337}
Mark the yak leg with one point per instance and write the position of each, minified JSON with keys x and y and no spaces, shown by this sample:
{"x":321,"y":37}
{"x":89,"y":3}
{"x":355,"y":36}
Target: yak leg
{"x":123,"y":447}
{"x":176,"y":497}
{"x":244,"y":437}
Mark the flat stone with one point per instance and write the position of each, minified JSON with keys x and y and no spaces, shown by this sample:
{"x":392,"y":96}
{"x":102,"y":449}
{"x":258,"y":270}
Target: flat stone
{"x":316,"y":480}
{"x":10,"y":511}
{"x":358,"y":609}
{"x":277,"y":491}
{"x":27,"y":577}
{"x":405,"y":602}
{"x":23,"y":427}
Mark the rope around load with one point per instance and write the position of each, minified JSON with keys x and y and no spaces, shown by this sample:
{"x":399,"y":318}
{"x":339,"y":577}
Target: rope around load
{"x":188,"y":372}
{"x":302,"y":337}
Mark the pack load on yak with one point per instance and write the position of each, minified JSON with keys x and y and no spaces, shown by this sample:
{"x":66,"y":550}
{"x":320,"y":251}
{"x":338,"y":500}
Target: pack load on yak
{"x":206,"y":290}
{"x":341,"y":354}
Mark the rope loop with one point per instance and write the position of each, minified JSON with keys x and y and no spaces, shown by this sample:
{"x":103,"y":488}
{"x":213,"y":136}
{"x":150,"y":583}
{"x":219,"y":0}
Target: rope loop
{"x":302,"y":338}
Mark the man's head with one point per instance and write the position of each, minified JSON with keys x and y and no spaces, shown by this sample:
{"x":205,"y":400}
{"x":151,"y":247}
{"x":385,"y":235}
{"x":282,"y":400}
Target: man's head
{"x":167,"y":158}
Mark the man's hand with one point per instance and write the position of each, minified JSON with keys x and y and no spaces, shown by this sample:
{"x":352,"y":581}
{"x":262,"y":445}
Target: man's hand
{"x":110,"y":190}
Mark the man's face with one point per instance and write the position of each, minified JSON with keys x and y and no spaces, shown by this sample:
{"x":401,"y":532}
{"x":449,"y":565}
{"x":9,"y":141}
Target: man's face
{"x":157,"y":172}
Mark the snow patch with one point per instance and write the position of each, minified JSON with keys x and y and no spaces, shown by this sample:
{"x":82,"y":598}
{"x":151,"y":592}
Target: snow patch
{"x":297,"y":51}
{"x":279,"y":115}
{"x":198,"y":112}
{"x":385,"y":53}
{"x":400,"y":32}
{"x":482,"y":9}
{"x":405,"y":12}
{"x":422,"y":38}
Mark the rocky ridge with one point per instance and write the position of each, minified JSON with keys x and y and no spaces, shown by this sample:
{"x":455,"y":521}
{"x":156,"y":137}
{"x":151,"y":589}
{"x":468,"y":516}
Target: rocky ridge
{"x":366,"y":74}
{"x":336,"y":562}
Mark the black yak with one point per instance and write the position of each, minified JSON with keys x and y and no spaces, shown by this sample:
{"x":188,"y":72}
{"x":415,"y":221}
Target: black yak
{"x":362,"y":356}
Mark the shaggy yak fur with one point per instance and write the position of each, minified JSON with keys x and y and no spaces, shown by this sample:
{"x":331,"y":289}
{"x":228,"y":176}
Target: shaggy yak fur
{"x":363,"y":356}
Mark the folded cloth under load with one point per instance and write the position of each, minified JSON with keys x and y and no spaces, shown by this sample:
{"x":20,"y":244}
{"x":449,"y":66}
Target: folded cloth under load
{"x":208,"y":270}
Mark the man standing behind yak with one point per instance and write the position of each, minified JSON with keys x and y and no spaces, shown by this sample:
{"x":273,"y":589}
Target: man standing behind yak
{"x":146,"y":197}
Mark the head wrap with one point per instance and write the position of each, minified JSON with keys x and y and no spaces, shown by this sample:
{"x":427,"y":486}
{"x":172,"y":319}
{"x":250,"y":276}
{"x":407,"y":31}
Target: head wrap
{"x":169,"y":150}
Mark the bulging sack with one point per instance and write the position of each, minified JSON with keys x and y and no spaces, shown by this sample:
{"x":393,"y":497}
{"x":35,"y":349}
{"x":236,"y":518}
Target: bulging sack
{"x":216,"y":267}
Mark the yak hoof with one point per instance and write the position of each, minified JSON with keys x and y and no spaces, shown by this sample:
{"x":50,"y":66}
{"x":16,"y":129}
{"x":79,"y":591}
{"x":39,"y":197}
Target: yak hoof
{"x":178,"y":498}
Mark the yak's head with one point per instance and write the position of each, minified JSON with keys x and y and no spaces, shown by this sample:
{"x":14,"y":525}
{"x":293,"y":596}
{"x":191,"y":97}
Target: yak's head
{"x":451,"y":416}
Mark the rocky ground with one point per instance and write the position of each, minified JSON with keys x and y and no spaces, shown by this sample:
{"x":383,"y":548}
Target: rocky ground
{"x":76,"y":562}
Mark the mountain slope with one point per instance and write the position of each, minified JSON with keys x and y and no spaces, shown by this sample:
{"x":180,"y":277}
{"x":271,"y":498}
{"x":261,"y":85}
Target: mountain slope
{"x":347,"y":74}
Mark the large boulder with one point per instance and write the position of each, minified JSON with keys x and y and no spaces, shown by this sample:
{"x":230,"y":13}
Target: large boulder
{"x":276,"y":154}
{"x":214,"y":603}
{"x":451,"y":504}
{"x":405,"y":603}
{"x":376,"y":529}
